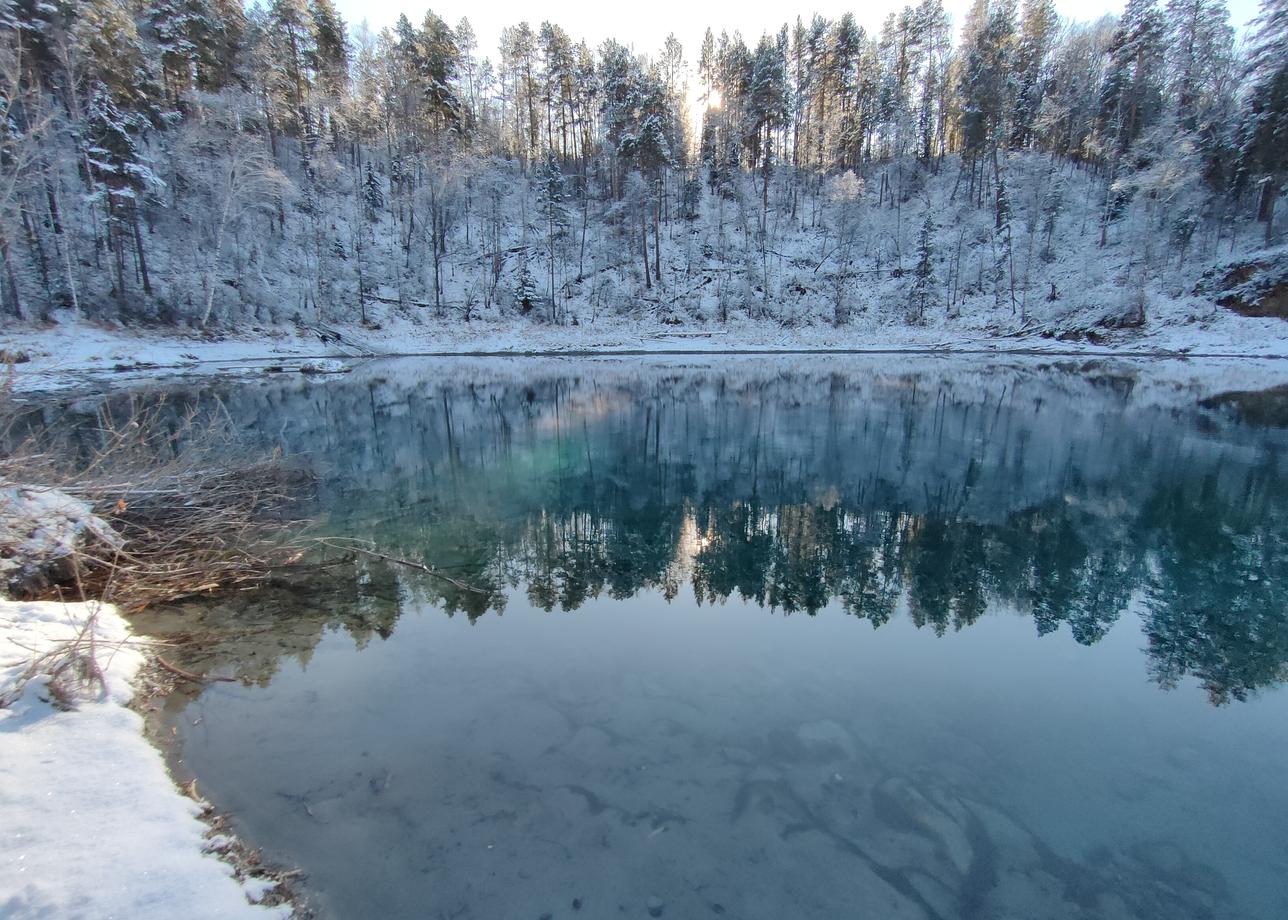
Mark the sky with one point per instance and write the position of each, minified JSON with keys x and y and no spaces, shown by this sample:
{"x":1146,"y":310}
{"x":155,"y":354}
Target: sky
{"x":645,"y":25}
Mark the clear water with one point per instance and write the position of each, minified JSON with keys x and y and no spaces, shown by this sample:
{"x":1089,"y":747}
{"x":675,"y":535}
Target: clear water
{"x":806,"y":638}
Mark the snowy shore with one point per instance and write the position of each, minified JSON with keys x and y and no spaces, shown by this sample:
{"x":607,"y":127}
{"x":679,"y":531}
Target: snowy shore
{"x":93,"y":825}
{"x":75,"y":352}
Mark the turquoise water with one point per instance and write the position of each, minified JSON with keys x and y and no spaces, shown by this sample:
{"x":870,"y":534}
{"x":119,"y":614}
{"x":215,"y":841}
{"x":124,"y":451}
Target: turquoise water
{"x":808,"y":638}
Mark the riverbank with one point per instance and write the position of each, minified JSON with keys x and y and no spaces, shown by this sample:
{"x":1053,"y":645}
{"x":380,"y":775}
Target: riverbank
{"x":74,"y":352}
{"x":94,"y":825}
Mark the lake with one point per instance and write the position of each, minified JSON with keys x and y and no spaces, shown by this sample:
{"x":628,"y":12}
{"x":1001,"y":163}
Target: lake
{"x":808,"y":637}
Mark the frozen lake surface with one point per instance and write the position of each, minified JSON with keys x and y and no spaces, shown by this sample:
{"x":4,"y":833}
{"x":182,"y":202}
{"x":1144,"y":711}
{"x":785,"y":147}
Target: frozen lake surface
{"x":807,"y":638}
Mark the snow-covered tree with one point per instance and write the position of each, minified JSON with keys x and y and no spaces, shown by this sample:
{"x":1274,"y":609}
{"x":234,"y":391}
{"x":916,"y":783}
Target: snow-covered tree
{"x":119,"y":175}
{"x":554,"y":215}
{"x":1264,"y":135}
{"x":921,"y":295}
{"x":845,"y":193}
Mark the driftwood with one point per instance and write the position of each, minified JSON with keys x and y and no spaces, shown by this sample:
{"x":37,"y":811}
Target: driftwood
{"x":397,"y":302}
{"x":1029,"y":328}
{"x":689,"y":335}
{"x":330,"y":335}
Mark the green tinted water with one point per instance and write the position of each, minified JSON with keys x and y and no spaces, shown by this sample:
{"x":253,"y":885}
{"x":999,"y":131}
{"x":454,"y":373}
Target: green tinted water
{"x":807,"y":638}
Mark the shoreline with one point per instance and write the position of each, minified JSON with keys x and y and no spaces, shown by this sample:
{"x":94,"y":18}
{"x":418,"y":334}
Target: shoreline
{"x":97,"y":822}
{"x":77,"y":352}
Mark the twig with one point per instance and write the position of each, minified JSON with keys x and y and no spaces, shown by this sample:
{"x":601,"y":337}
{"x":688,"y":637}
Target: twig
{"x":188,"y":675}
{"x":419,"y":566}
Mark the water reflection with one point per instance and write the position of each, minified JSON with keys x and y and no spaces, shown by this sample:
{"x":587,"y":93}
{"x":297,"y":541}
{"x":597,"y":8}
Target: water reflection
{"x":1061,"y":493}
{"x":673,"y":740}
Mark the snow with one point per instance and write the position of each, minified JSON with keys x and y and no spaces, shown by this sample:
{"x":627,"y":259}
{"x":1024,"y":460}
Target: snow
{"x":77,"y":352}
{"x":324,"y":366}
{"x":842,"y":255}
{"x":39,"y":526}
{"x":93,"y":826}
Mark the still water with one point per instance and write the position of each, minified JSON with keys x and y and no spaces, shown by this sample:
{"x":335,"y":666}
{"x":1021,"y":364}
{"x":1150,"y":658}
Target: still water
{"x":800,"y":638}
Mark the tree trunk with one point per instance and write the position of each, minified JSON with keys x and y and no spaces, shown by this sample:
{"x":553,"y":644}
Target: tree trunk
{"x":657,"y":241}
{"x":581,"y":257}
{"x":648,"y":284}
{"x":1269,"y":192}
{"x":224,"y":213}
{"x":37,"y":249}
{"x":138,"y":247}
{"x":117,"y":247}
{"x":11,"y":278}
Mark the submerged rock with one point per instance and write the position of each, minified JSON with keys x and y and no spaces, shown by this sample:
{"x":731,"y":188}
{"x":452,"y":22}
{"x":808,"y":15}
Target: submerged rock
{"x":655,"y":906}
{"x":904,"y":808}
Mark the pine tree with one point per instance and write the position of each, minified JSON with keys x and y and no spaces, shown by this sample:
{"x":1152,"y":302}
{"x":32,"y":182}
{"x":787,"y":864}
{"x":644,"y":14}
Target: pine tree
{"x":691,"y":198}
{"x":922,"y":294}
{"x":766,"y":111}
{"x":221,"y":56}
{"x":330,"y":49}
{"x":373,"y":196}
{"x":1004,"y":254}
{"x":292,"y":48}
{"x":171,"y":27}
{"x":934,"y":41}
{"x":120,"y":175}
{"x":986,"y":87}
{"x":1038,"y":26}
{"x":550,"y":197}
{"x":525,"y":289}
{"x":105,"y":38}
{"x":1132,"y":93}
{"x":1200,"y":51}
{"x":1052,"y":208}
{"x":439,"y":63}
{"x":1264,"y":135}
{"x":467,"y":76}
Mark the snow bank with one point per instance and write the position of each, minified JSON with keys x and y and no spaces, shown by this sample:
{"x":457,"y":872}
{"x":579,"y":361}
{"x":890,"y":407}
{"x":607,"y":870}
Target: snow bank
{"x":93,"y":826}
{"x":40,"y":531}
{"x":76,"y":352}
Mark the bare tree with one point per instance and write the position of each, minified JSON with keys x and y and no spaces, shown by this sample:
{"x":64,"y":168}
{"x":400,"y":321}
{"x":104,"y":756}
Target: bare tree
{"x":241,"y":179}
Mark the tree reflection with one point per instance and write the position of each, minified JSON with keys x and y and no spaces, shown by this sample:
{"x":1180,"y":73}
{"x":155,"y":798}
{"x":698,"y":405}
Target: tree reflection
{"x":1210,"y":577}
{"x":1216,"y":601}
{"x":1055,"y":494}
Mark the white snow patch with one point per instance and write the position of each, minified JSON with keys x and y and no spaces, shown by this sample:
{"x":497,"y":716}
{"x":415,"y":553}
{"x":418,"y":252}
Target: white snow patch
{"x":93,"y":827}
{"x":39,"y":526}
{"x":257,"y":888}
{"x":324,"y":366}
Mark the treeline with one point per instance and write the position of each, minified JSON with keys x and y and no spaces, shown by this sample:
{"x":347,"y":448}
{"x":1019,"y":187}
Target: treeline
{"x":176,"y":159}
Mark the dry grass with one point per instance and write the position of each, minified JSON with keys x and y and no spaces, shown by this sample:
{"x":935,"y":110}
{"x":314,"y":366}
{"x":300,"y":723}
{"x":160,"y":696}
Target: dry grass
{"x":196,"y":512}
{"x":70,"y":668}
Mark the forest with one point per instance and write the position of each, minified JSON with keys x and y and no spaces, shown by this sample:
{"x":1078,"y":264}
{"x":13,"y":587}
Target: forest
{"x":206,"y":164}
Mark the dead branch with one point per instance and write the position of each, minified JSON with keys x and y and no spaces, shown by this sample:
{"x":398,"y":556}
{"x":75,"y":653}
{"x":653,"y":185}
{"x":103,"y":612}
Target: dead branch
{"x":194,"y":513}
{"x":361,"y":546}
{"x":188,"y":675}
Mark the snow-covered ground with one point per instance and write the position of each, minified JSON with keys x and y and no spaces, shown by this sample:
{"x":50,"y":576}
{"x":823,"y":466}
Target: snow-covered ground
{"x":93,"y":826}
{"x":75,"y":351}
